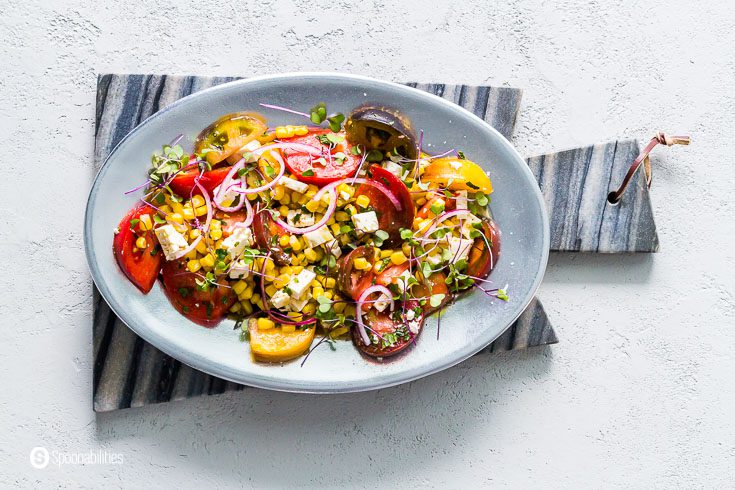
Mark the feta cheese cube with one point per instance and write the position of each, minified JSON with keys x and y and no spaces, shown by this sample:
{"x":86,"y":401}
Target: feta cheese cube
{"x":381,"y":303}
{"x":295,"y":185}
{"x":461,"y":200}
{"x":281,"y":299}
{"x":236,"y":243}
{"x":402,"y":280}
{"x":172,"y":242}
{"x":333,"y":248}
{"x":298,"y":304}
{"x":300,"y":219}
{"x":366,"y":222}
{"x":300,"y":283}
{"x":318,"y":236}
{"x":459,"y":248}
{"x":239,"y":270}
{"x":468,"y":222}
{"x":252,"y":146}
{"x":394,"y":168}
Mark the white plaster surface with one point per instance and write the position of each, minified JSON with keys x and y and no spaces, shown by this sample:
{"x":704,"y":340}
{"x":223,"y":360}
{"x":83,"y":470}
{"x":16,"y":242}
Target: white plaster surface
{"x":640,"y":391}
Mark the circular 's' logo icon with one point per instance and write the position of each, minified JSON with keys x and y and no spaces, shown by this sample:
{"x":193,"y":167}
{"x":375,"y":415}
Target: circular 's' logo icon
{"x":39,"y":457}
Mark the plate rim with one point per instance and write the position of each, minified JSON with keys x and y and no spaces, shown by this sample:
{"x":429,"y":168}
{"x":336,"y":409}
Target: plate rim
{"x":204,"y":364}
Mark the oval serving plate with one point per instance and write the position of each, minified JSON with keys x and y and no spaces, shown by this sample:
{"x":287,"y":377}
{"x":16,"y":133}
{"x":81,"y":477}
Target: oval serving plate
{"x":467,"y":326}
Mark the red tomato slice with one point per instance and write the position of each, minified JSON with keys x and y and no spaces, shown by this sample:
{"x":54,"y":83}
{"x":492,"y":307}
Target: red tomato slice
{"x":383,"y":323}
{"x":206,"y":308}
{"x":298,"y":163}
{"x":351,"y":281}
{"x":391,"y":220}
{"x":389,"y":275}
{"x":481,"y":262}
{"x":140,"y":266}
{"x":183,"y":183}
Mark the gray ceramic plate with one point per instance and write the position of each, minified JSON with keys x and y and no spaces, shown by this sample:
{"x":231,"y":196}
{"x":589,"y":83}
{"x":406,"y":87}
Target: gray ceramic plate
{"x":468,"y":326}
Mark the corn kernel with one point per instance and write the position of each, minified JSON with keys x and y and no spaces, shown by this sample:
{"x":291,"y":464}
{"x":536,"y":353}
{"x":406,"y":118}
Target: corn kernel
{"x":193,"y":265}
{"x":341,"y":216}
{"x":349,"y":310}
{"x":301,"y":130}
{"x":145,"y":222}
{"x":191,"y":255}
{"x":384,"y":254}
{"x":252,"y":197}
{"x":265,"y":324}
{"x":281,"y":132}
{"x":283,"y":211}
{"x":297,"y":269}
{"x":256,"y":300}
{"x":328,"y":294}
{"x":200,"y":211}
{"x":207,"y":261}
{"x":247,"y":307}
{"x":247,"y":293}
{"x":194,"y":233}
{"x":197,"y":201}
{"x":398,"y":258}
{"x":406,"y":249}
{"x":215,"y":224}
{"x":288,"y":328}
{"x":295,"y":243}
{"x":295,"y":260}
{"x":239,"y":287}
{"x":140,"y":242}
{"x":338,"y":332}
{"x":286,"y":199}
{"x":312,"y":205}
{"x":270,"y":290}
{"x":420,"y":201}
{"x":177,"y":207}
{"x":188,"y":213}
{"x":339,"y":307}
{"x":310,"y":255}
{"x":278,"y":192}
{"x":330,"y":283}
{"x":201,"y":247}
{"x":361,"y":264}
{"x":316,"y":292}
{"x":175,"y":218}
{"x":351,"y":209}
{"x":309,"y":309}
{"x":281,"y":281}
{"x":336,"y":229}
{"x":215,"y":234}
{"x":235,"y":308}
{"x":363,"y":201}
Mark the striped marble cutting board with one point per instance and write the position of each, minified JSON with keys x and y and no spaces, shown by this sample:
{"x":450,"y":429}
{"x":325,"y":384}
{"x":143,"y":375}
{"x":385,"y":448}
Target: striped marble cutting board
{"x":129,"y":372}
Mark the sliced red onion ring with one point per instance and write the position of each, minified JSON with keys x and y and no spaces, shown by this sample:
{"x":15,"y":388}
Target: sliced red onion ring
{"x":361,"y":300}
{"x":205,"y":228}
{"x":350,"y":180}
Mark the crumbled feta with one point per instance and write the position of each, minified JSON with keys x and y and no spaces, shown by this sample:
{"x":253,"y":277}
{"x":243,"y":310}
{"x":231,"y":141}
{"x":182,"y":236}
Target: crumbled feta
{"x":434,"y":258}
{"x":366,"y":222}
{"x":334,"y":248}
{"x":461,"y":200}
{"x":235,"y":244}
{"x":295,"y":185}
{"x":252,"y":146}
{"x":410,"y":315}
{"x":300,"y":219}
{"x":318,"y":236}
{"x":344,"y":195}
{"x":298,"y":304}
{"x":300,"y":283}
{"x":402,"y":280}
{"x":459,"y":248}
{"x":468,"y":221}
{"x":239,"y":270}
{"x":394,"y":168}
{"x":172,"y":242}
{"x":281,"y":299}
{"x":381,"y":303}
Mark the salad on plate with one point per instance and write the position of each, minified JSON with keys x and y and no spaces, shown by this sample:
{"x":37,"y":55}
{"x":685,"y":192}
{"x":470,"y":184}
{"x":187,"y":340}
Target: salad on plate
{"x":339,"y":228}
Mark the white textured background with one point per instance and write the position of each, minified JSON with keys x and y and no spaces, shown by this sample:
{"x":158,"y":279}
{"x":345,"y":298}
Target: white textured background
{"x":638,"y":393}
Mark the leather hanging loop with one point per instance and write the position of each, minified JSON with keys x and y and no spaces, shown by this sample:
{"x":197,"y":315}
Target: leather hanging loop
{"x":659,"y":139}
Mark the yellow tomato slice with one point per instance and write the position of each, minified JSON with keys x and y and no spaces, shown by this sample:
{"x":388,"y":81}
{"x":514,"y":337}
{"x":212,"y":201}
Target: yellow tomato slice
{"x":228,"y":134}
{"x":275,"y":345}
{"x":457,"y":174}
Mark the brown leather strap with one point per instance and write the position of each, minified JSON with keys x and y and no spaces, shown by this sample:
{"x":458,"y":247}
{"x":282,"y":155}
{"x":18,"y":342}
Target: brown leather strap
{"x":660,"y":139}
